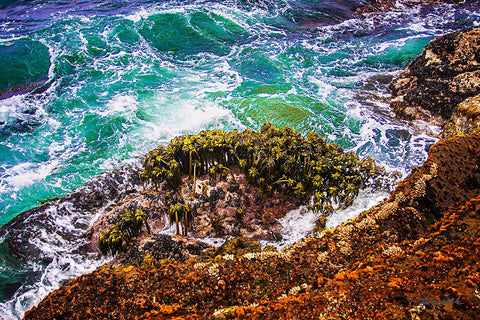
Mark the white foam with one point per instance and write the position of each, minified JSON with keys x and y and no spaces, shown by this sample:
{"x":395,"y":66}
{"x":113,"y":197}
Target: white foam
{"x":25,"y":174}
{"x":372,"y":139}
{"x":145,"y":13}
{"x":120,"y":104}
{"x":62,"y":268}
{"x":427,"y":127}
{"x":186,"y":116}
{"x":296,"y":224}
{"x":12,"y":107}
{"x":64,"y":263}
{"x":215,"y":242}
{"x":364,"y":201}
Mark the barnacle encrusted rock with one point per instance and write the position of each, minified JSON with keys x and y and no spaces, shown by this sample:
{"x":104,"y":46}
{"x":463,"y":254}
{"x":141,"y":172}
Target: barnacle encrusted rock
{"x":466,"y":120}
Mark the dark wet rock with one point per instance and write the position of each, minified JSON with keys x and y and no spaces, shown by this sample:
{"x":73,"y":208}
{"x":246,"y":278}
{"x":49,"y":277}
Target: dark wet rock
{"x":219,"y":211}
{"x":27,"y":231}
{"x":233,"y":201}
{"x":161,"y":247}
{"x":28,"y":87}
{"x":446,"y":74}
{"x":233,"y":187}
{"x":376,"y":6}
{"x":197,"y":248}
{"x":370,"y":6}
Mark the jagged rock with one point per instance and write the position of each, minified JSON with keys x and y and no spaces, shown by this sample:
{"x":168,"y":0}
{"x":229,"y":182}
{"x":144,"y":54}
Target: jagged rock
{"x":375,"y":6}
{"x":370,"y":6}
{"x":79,"y":209}
{"x":443,"y":76}
{"x":466,"y":120}
{"x":162,"y":247}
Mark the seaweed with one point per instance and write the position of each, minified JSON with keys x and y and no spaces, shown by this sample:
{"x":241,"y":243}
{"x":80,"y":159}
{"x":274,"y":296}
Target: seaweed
{"x":273,"y":160}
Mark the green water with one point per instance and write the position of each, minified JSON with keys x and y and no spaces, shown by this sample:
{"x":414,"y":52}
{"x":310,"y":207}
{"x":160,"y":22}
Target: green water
{"x":23,"y":61}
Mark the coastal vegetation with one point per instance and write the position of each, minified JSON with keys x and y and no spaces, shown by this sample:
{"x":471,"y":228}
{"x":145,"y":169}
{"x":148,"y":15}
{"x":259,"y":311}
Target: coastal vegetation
{"x":305,"y":169}
{"x":273,"y":160}
{"x":129,"y":225}
{"x":411,"y":256}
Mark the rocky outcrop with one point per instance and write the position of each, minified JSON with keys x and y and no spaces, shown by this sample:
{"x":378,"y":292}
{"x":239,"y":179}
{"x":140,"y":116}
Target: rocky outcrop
{"x":26,"y":232}
{"x":442,"y":85}
{"x":237,"y":184}
{"x":412,"y":256}
{"x":383,"y":5}
{"x":465,"y":120}
{"x":215,"y":214}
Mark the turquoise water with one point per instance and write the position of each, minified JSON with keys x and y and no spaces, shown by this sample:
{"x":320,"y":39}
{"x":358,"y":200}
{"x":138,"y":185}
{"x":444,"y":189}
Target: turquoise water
{"x":100,"y":83}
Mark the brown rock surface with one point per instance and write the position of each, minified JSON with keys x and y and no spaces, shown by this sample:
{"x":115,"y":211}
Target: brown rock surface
{"x":383,"y":5}
{"x":465,"y":120}
{"x":443,"y":76}
{"x":412,"y":256}
{"x":217,"y":199}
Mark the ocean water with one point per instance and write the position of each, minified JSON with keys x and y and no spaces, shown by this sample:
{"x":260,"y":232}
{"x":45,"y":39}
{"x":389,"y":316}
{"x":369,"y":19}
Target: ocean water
{"x":87,"y":86}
